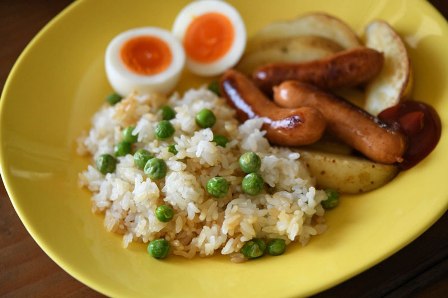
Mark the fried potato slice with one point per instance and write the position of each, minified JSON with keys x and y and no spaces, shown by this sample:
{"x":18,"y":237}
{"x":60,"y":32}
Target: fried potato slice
{"x":329,"y":144}
{"x":354,"y":95}
{"x":295,"y":49}
{"x":394,"y":82}
{"x":345,"y":173}
{"x":315,"y":24}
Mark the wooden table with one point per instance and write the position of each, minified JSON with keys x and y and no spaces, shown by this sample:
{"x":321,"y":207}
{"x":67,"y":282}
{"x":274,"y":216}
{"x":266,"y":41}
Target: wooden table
{"x":418,"y":270}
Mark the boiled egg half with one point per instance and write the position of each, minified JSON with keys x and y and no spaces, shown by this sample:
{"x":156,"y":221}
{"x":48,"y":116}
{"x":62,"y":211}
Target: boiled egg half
{"x":213,"y":35}
{"x":145,"y":60}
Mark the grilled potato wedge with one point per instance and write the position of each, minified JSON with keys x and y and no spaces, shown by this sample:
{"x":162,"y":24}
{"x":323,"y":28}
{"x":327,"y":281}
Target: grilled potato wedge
{"x":329,"y":144}
{"x":315,"y":24}
{"x":354,"y":95}
{"x":394,"y":82}
{"x":345,"y":173}
{"x":295,"y":49}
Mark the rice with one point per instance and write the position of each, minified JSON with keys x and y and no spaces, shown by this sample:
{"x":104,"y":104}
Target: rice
{"x":289,"y":208}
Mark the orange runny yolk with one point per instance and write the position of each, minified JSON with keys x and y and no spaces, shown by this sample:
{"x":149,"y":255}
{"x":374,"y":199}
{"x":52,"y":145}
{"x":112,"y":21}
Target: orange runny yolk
{"x":209,"y":37}
{"x":146,"y":55}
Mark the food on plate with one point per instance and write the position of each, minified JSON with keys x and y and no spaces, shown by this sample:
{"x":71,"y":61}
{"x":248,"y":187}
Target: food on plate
{"x":332,"y":199}
{"x":220,"y":140}
{"x":205,"y":118}
{"x":221,"y":197}
{"x":122,"y":148}
{"x":295,"y":49}
{"x":254,"y":248}
{"x":391,"y":78}
{"x":164,"y":213}
{"x":352,"y":125}
{"x":344,"y":69}
{"x":164,"y":130}
{"x":127,"y":135}
{"x":155,"y":168}
{"x":422,"y":126}
{"x":276,"y":247}
{"x":346,"y":173}
{"x":395,"y":79}
{"x":213,"y":35}
{"x":145,"y":60}
{"x":159,"y":248}
{"x":249,"y":162}
{"x":354,"y":95}
{"x":183,"y":175}
{"x":167,"y":112}
{"x":114,"y":98}
{"x":312,"y":24}
{"x":141,"y":157}
{"x":213,"y":86}
{"x":331,"y":144}
{"x":106,"y":163}
{"x":288,"y":127}
{"x":252,"y":184}
{"x":217,"y":187}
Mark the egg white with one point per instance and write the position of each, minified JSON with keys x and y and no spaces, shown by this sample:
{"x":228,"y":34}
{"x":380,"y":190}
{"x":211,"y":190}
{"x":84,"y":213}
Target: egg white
{"x":194,"y":9}
{"x":124,"y":81}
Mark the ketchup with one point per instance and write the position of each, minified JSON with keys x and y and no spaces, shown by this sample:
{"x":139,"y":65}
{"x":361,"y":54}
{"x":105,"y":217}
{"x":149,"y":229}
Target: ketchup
{"x":420,"y":123}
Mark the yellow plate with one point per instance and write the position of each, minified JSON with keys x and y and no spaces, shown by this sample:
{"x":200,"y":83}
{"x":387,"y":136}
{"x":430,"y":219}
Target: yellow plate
{"x":59,"y":82}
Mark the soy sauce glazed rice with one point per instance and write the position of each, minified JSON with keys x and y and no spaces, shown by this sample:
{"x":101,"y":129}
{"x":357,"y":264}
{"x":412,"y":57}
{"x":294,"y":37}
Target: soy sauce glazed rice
{"x":289,"y":207}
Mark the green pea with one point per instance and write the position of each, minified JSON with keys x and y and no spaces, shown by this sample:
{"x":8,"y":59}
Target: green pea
{"x":252,"y":184}
{"x":155,"y":168}
{"x":128,"y":136}
{"x":220,"y":140}
{"x":250,"y":162}
{"x":253,"y":249}
{"x":214,"y":87}
{"x":167,"y":113}
{"x":106,"y":163}
{"x":164,"y":213}
{"x":164,"y":129}
{"x":141,"y":157}
{"x":217,"y":187}
{"x":114,"y":98}
{"x":205,"y":118}
{"x":276,"y":247}
{"x":332,"y":199}
{"x":123,"y":148}
{"x":172,"y":149}
{"x":159,"y":248}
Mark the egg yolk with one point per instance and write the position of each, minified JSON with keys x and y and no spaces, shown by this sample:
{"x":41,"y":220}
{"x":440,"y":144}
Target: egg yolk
{"x":146,"y":55}
{"x":209,"y":37}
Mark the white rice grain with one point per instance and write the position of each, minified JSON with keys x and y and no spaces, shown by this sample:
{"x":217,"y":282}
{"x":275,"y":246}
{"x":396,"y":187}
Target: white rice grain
{"x":289,"y":208}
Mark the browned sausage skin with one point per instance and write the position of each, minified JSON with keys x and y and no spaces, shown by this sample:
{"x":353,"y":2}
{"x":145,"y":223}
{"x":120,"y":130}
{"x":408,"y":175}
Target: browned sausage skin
{"x":351,"y":124}
{"x":344,"y":69}
{"x":284,"y":126}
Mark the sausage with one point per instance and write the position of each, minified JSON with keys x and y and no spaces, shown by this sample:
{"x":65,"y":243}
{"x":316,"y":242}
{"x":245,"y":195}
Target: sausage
{"x":367,"y":134}
{"x":344,"y":69}
{"x":284,"y":126}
